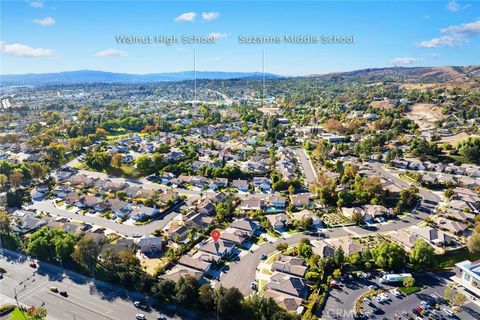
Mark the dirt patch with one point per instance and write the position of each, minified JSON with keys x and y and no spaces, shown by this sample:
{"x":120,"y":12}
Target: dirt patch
{"x":453,"y":140}
{"x":446,"y":85}
{"x":382,"y":105}
{"x":151,"y":265}
{"x":425,"y":115}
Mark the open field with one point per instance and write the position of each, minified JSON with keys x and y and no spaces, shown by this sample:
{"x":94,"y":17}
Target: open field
{"x":382,"y":105}
{"x":453,"y":140}
{"x":425,"y":115}
{"x":446,"y":85}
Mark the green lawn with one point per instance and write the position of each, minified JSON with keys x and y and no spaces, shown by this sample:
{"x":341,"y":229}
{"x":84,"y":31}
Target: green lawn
{"x":410,"y":290}
{"x":448,"y":260}
{"x":17,"y":315}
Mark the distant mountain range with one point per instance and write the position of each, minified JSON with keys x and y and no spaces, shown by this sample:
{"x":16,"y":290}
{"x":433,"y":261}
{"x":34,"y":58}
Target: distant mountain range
{"x":89,"y":76}
{"x":405,"y":74}
{"x":399,"y":74}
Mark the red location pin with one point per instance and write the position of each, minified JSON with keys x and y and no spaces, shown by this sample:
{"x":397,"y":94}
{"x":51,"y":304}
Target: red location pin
{"x":215,"y":235}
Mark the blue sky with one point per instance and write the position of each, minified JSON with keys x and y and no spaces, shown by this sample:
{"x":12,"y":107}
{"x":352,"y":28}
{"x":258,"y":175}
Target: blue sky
{"x":52,"y":36}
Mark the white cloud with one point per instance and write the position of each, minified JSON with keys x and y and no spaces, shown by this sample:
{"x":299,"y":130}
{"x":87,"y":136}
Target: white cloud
{"x":48,"y":21}
{"x":445,"y":41}
{"x":453,"y":6}
{"x":453,"y":36}
{"x":36,"y":4}
{"x":466,"y":29}
{"x":216,"y":59}
{"x":186,"y":17}
{"x":111,"y":53}
{"x":210,"y":16}
{"x":22,"y":50}
{"x":404,"y":61}
{"x":217,"y":35}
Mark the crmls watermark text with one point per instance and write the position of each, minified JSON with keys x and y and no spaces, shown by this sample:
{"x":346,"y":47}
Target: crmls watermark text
{"x":340,"y":313}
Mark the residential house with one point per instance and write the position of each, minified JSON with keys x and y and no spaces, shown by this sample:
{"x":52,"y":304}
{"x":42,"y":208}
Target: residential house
{"x":241,"y":185}
{"x":36,"y":195}
{"x":432,"y":235}
{"x":302,"y":200}
{"x":150,"y":244}
{"x":348,"y":246}
{"x":279,"y":221}
{"x":291,"y":265}
{"x":277,"y":202}
{"x":200,"y":261}
{"x":322,"y":248}
{"x":142,"y":213}
{"x":349,"y":212}
{"x":288,"y":284}
{"x":61,"y":191}
{"x":206,"y":207}
{"x":406,"y":239}
{"x":246,"y":224}
{"x":239,"y":237}
{"x":290,"y":303}
{"x":252,"y":204}
{"x":305,"y":214}
{"x":120,"y":208}
{"x":221,"y":248}
{"x":373,"y":212}
{"x":454,"y":227}
{"x":180,"y":271}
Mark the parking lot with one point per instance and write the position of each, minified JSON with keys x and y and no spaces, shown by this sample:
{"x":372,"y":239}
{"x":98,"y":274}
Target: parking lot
{"x":341,"y":302}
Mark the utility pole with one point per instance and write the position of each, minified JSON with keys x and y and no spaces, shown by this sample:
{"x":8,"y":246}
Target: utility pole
{"x":263,"y":78}
{"x":194,"y":75}
{"x":18,"y":304}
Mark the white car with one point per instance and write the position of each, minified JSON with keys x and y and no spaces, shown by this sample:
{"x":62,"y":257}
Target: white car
{"x":384,"y":296}
{"x":396,"y":292}
{"x":449,"y":312}
{"x":140,"y":316}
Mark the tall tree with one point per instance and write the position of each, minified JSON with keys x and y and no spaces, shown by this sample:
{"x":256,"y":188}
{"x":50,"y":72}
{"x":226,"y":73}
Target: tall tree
{"x":86,"y":253}
{"x":422,"y":254}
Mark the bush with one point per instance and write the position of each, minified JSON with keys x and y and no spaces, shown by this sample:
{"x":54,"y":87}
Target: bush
{"x":6,"y":309}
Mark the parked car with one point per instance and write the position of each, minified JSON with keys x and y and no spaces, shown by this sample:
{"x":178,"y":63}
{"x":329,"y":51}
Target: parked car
{"x":54,"y":289}
{"x":253,"y":285}
{"x":373,"y":287}
{"x":263,"y":257}
{"x":161,"y":317}
{"x":449,"y":312}
{"x":140,"y":316}
{"x":140,"y":305}
{"x":64,"y":293}
{"x":396,"y":292}
{"x":33,"y":265}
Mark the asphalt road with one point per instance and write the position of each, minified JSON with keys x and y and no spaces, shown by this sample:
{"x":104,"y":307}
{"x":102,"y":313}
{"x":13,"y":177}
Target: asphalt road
{"x":307,"y":165}
{"x":86,"y":299}
{"x":127,"y":230}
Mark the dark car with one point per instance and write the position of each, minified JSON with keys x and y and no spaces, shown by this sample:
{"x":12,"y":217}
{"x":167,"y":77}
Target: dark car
{"x":140,"y":305}
{"x":63,"y":293}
